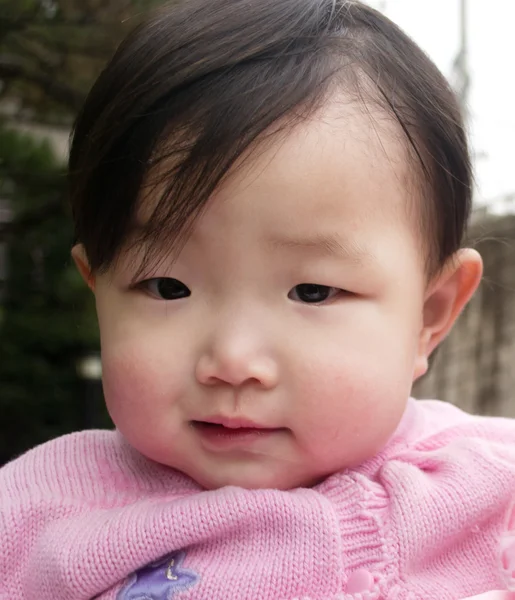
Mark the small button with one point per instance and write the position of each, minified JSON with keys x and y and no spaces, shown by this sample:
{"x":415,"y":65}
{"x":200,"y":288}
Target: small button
{"x":508,"y":555}
{"x":508,"y":561}
{"x":511,"y":520}
{"x":359,"y":581}
{"x":493,"y":596}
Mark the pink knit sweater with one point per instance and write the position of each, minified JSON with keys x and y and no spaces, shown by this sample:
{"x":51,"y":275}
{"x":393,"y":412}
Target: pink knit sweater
{"x":85,"y":516}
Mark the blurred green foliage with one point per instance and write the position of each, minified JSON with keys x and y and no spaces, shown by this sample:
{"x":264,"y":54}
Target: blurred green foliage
{"x":47,"y":320}
{"x":50,"y":53}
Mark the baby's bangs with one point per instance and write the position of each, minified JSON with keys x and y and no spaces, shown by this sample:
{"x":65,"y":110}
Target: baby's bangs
{"x":202,"y":83}
{"x":197,"y":151}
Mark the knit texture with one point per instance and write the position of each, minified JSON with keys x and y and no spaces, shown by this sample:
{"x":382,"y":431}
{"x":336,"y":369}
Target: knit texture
{"x":86,"y":516}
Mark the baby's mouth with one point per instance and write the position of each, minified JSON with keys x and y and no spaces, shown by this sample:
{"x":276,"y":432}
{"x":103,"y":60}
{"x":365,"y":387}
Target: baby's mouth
{"x":217,"y":436}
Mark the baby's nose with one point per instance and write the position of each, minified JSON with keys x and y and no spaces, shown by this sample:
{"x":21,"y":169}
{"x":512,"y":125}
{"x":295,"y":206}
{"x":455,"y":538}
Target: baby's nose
{"x":237,"y":361}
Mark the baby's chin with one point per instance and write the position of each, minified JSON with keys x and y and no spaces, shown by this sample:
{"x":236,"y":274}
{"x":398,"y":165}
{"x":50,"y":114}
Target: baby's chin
{"x":257,"y":479}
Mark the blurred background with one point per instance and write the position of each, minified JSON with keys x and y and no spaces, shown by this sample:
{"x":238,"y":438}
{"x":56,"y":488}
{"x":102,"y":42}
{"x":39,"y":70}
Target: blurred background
{"x":51,"y":52}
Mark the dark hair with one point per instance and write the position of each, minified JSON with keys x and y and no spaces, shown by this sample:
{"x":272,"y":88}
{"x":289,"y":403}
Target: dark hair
{"x":200,"y":81}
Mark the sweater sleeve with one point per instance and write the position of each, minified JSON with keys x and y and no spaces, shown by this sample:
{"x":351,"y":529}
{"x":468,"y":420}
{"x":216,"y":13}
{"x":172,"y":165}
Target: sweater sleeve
{"x":50,"y":499}
{"x":450,"y":483}
{"x":47,"y":485}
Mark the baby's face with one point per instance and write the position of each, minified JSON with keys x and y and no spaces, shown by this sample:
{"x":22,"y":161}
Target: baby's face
{"x":281,"y":345}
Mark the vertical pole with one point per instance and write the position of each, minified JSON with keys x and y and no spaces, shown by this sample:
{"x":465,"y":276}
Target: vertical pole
{"x":462,"y":59}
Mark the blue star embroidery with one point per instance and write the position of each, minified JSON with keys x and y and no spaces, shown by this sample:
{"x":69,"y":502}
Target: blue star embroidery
{"x":160,"y":580}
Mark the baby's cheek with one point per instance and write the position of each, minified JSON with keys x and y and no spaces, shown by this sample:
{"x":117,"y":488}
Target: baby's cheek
{"x":355,"y":406}
{"x":132,"y":388}
{"x":144,"y":407}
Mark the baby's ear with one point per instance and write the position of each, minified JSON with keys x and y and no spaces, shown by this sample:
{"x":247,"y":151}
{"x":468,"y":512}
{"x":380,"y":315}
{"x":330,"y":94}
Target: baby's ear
{"x":446,"y":296}
{"x":82,"y":263}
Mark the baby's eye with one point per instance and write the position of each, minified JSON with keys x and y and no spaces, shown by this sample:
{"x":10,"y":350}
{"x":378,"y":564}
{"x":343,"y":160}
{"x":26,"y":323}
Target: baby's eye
{"x":312,"y":293}
{"x":165,"y":288}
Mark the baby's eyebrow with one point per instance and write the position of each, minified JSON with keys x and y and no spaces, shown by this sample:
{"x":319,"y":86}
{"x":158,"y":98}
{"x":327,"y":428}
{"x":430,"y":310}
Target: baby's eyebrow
{"x":325,"y":245}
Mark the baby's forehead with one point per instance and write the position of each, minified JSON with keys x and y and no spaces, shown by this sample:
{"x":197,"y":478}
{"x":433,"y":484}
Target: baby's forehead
{"x":337,"y":153}
{"x":330,"y":185}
